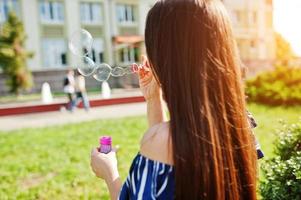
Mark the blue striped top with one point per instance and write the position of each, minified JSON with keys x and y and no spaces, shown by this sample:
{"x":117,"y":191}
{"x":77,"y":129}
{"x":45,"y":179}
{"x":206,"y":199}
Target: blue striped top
{"x":149,"y":179}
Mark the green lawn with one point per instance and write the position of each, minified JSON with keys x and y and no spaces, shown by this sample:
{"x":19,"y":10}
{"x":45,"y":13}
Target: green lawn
{"x":269,"y":120}
{"x":53,"y":163}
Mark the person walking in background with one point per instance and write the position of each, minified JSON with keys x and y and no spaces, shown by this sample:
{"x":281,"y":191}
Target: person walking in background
{"x":69,"y":88}
{"x":81,"y":92}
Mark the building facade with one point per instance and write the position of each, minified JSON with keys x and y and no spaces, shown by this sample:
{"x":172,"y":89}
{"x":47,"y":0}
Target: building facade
{"x":117,"y":27}
{"x":50,"y":23}
{"x":253,"y":28}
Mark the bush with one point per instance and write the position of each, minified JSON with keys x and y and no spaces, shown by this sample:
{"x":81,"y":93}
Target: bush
{"x":283,"y":172}
{"x":279,"y":87}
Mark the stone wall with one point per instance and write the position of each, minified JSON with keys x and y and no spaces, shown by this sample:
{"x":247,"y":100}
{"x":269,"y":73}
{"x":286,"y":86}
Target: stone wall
{"x":55,"y":79}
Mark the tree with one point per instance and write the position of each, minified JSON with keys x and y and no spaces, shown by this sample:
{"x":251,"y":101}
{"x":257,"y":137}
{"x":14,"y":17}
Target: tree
{"x":284,"y":51}
{"x":13,"y":56}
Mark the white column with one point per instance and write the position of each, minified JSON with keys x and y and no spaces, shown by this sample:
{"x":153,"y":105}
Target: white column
{"x":113,"y":17}
{"x":113,"y":25}
{"x":72,"y":21}
{"x":108,"y":32}
{"x":262,"y":31}
{"x":143,"y":10}
{"x":30,"y":15}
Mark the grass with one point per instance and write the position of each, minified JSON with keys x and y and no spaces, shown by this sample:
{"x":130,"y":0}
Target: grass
{"x":53,"y":163}
{"x":269,"y":120}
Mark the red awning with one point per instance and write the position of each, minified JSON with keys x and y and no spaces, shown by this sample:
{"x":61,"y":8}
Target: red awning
{"x":131,"y":39}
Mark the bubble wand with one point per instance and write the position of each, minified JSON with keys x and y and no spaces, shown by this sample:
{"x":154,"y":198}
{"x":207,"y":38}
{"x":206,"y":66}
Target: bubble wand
{"x":81,"y":44}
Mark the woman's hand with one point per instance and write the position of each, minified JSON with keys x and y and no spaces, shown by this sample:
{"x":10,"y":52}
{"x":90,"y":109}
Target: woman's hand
{"x":148,"y":84}
{"x":104,"y":165}
{"x":152,"y":94}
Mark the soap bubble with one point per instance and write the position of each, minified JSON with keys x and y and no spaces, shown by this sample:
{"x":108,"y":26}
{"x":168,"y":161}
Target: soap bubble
{"x":118,"y":71}
{"x":86,"y":66}
{"x":102,"y":72}
{"x":81,"y":43}
{"x":129,"y":70}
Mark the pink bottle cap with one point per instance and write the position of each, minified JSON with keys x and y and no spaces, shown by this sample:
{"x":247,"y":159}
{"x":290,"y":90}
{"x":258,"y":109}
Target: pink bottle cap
{"x":105,"y":140}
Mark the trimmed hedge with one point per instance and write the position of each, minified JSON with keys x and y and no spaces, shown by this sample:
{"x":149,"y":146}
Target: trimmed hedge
{"x":281,"y":86}
{"x":283,"y":172}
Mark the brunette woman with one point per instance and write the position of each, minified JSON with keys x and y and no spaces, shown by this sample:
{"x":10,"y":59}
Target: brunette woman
{"x":205,"y":150}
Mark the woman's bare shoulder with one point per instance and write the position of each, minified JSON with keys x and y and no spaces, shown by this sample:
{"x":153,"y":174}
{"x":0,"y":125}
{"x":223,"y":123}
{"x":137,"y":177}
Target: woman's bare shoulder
{"x":156,"y":144}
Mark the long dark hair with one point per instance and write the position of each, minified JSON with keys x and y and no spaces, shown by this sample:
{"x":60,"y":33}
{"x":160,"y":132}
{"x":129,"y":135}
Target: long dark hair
{"x":191,"y":49}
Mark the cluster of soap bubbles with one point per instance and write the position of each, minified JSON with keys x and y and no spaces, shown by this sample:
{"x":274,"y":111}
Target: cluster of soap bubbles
{"x":80,"y":45}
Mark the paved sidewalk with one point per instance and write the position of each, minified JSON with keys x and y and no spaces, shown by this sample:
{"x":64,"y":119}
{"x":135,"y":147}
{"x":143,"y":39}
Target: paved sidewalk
{"x":64,"y":117}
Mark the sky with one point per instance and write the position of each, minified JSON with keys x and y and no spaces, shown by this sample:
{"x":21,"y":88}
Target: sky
{"x":287,"y":21}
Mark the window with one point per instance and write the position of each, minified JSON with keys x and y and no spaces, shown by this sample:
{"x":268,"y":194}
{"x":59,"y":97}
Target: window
{"x":52,"y":12}
{"x":129,"y":54}
{"x":253,"y":49}
{"x":241,"y":18}
{"x":54,"y":52}
{"x":254,"y":17}
{"x":6,"y":6}
{"x":125,"y":13}
{"x":98,"y":51}
{"x":253,"y":44}
{"x":269,"y":2}
{"x":269,"y":19}
{"x":91,"y":13}
{"x":233,"y":16}
{"x":236,"y":17}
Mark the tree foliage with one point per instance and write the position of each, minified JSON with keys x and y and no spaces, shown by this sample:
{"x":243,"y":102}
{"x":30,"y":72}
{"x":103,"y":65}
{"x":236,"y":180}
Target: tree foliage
{"x":284,"y":51}
{"x":13,"y":56}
